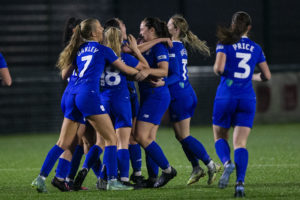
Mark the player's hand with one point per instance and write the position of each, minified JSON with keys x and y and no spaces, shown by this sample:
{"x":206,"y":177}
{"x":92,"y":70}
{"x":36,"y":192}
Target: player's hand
{"x":157,"y":83}
{"x":256,"y":77}
{"x":141,"y":75}
{"x":168,"y":41}
{"x":132,"y":43}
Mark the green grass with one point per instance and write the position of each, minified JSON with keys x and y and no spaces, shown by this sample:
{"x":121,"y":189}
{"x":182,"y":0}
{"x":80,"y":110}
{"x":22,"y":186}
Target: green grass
{"x":273,"y":170}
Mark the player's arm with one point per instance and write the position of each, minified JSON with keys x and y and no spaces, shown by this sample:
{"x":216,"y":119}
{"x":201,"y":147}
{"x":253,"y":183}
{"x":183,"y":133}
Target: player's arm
{"x":148,"y":45}
{"x":220,"y":63}
{"x":264,"y":75}
{"x":139,"y":75}
{"x":161,"y":71}
{"x":66,"y":73}
{"x":143,"y":64}
{"x":5,"y":76}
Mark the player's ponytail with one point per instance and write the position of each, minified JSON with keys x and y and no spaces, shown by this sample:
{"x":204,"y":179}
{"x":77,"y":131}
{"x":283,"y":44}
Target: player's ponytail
{"x":188,"y":37}
{"x":82,"y":33}
{"x":113,"y":39}
{"x":239,"y":25}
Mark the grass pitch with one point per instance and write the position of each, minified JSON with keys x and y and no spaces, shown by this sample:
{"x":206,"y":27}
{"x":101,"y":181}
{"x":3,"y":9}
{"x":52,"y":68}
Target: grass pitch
{"x":273,"y":170}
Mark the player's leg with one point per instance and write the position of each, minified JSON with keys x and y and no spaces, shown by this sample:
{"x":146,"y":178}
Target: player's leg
{"x":240,"y":136}
{"x":92,"y":160}
{"x":135,"y":156}
{"x":123,"y":135}
{"x":67,"y":135}
{"x":103,"y":125}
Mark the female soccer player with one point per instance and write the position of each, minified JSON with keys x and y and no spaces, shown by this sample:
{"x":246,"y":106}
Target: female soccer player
{"x":115,"y":94}
{"x":183,"y":97}
{"x":154,"y":102}
{"x":4,"y":72}
{"x":85,"y":52}
{"x":134,"y":148}
{"x":236,"y":58}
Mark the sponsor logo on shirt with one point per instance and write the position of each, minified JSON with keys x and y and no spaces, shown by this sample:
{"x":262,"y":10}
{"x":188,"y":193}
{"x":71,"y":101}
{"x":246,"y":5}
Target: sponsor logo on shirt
{"x":220,"y":46}
{"x":172,"y":55}
{"x":146,"y":116}
{"x":183,"y":52}
{"x":161,"y":57}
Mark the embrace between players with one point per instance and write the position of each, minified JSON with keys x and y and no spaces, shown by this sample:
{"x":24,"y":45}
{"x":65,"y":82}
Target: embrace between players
{"x":102,"y":112}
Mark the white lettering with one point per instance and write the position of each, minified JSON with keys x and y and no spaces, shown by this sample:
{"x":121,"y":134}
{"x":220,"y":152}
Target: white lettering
{"x":244,"y":46}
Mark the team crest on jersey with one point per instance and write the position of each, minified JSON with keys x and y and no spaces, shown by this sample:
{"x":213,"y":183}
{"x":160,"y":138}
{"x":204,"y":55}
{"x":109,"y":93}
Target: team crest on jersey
{"x":102,"y":108}
{"x":183,"y":52}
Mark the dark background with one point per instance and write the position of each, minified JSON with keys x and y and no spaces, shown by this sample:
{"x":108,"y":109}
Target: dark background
{"x":31,"y":39}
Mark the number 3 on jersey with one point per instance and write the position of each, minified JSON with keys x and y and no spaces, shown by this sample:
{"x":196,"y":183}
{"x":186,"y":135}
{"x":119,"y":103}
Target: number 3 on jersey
{"x":243,"y":64}
{"x":88,"y":60}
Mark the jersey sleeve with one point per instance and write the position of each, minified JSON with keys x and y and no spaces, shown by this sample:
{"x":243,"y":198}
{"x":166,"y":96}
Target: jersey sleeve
{"x":261,"y":56}
{"x":174,"y":66}
{"x":110,"y":55}
{"x":2,"y":62}
{"x":130,"y":60}
{"x":220,"y":48}
{"x":161,"y":53}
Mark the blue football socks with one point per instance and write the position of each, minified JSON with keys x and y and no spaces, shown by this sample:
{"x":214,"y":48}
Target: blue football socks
{"x":197,"y":148}
{"x":123,"y":163}
{"x":92,"y":156}
{"x":156,"y":153}
{"x":50,"y":160}
{"x":223,"y":150}
{"x":241,"y":163}
{"x":75,"y":162}
{"x":62,"y":168}
{"x":135,"y":157}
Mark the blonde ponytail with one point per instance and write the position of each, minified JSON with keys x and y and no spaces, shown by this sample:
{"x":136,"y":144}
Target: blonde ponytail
{"x":67,"y":56}
{"x":195,"y":43}
{"x":113,"y":39}
{"x":82,"y":33}
{"x":189,"y":38}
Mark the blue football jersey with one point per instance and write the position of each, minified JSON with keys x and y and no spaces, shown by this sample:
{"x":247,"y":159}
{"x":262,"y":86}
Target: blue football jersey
{"x":112,"y":78}
{"x":91,"y":59}
{"x":241,"y":59}
{"x":2,"y":62}
{"x":182,"y":58}
{"x":156,"y":54}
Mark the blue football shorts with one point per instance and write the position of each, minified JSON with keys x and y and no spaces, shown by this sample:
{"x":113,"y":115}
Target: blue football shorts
{"x":83,"y":105}
{"x":153,"y":106}
{"x":234,"y":112}
{"x":183,"y":104}
{"x":118,"y":107}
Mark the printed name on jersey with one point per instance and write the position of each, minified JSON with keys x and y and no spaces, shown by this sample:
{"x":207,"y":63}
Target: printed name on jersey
{"x":161,"y":57}
{"x":87,"y":49}
{"x":183,"y":52}
{"x":172,"y":55}
{"x":244,"y":46}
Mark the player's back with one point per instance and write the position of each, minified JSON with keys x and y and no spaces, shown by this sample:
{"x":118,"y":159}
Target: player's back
{"x":112,"y":80}
{"x":91,"y":59}
{"x":241,"y":59}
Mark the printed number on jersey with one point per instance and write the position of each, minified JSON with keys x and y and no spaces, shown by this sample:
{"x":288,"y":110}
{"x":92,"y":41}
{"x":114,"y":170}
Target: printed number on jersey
{"x":111,"y":76}
{"x":87,"y":60}
{"x":243,"y":64}
{"x":184,"y":63}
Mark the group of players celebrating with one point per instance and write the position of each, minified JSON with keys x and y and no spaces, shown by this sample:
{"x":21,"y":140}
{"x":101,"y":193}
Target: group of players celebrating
{"x":102,"y":112}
